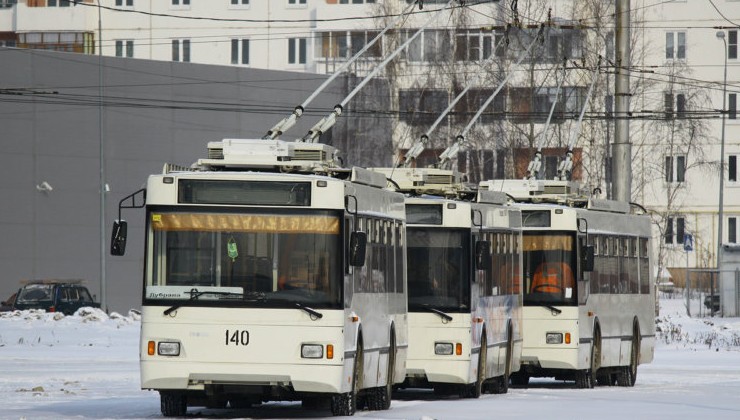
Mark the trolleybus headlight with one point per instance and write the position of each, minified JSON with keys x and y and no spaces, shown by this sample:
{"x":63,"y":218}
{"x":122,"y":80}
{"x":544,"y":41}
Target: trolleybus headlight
{"x":167,"y":348}
{"x":312,"y":351}
{"x":443,"y":348}
{"x":554,"y":338}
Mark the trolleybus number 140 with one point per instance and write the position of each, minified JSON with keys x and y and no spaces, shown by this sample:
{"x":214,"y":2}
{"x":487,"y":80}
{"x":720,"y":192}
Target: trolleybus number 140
{"x":237,"y":337}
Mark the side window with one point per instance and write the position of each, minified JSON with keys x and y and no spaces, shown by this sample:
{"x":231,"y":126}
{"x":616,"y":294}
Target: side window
{"x":644,"y":267}
{"x":400,"y":258}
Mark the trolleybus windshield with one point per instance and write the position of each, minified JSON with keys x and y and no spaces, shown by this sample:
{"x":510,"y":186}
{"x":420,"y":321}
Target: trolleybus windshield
{"x":244,"y":259}
{"x":549,"y":269}
{"x":438,"y":269}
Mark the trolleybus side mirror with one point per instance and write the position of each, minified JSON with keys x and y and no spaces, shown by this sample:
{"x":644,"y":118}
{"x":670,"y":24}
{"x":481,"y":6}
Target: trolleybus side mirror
{"x":587,"y":260}
{"x":118,"y":238}
{"x":357,"y":245}
{"x":483,"y":255}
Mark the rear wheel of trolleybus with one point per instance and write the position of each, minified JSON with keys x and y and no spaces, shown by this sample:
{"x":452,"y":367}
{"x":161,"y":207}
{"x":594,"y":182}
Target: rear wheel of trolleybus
{"x":345,"y":404}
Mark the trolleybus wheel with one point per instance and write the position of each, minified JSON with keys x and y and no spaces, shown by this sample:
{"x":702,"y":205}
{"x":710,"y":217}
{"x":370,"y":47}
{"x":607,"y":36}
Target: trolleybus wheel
{"x":586,"y":378}
{"x":502,"y":382}
{"x":345,"y":404}
{"x":475,"y":389}
{"x":173,"y":404}
{"x":627,"y":375}
{"x":380,"y":398}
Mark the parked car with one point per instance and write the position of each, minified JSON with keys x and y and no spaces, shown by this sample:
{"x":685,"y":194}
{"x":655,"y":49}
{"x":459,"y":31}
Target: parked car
{"x":712,"y":302}
{"x":7,"y":304}
{"x":65,"y":296}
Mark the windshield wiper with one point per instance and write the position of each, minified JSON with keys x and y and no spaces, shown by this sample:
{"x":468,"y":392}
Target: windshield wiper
{"x":444,"y":316}
{"x":195,"y":294}
{"x":553,"y":310}
{"x":314,"y":314}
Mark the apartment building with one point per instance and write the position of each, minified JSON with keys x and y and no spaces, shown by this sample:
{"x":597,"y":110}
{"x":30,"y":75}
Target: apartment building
{"x":684,"y":45}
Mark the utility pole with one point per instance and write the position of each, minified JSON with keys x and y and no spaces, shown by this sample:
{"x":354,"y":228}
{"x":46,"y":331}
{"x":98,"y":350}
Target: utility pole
{"x":622,"y":148}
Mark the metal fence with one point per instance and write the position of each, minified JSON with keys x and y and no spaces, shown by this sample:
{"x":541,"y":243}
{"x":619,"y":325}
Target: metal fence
{"x":708,"y":293}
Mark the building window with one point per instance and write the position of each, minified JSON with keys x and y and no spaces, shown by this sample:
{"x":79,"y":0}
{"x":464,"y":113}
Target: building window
{"x":129,"y":48}
{"x":181,"y":50}
{"x":342,"y":44}
{"x":674,"y":105}
{"x":675,"y":168}
{"x":527,"y":104}
{"x":732,"y":230}
{"x":732,"y":106}
{"x":127,"y":3}
{"x":475,"y":45}
{"x":732,"y":168}
{"x":296,"y":3}
{"x":417,"y":106}
{"x":242,"y":3}
{"x":473,"y":100}
{"x":680,"y":231}
{"x":432,"y":45}
{"x":8,"y":3}
{"x":732,"y":44}
{"x":239,"y":51}
{"x":181,"y":4}
{"x":297,"y":51}
{"x":675,"y":45}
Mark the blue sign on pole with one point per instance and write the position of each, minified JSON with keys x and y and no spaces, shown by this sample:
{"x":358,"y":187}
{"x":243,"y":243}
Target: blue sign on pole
{"x":688,"y":242}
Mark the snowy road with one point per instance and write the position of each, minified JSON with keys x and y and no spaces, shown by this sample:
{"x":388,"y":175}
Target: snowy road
{"x":75,"y":368}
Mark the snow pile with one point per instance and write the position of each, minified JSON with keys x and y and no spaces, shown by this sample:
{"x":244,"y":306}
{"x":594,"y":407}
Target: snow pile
{"x":86,"y":327}
{"x":675,"y":329}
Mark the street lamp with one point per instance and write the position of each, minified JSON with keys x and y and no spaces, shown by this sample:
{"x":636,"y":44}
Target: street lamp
{"x":721,"y":35}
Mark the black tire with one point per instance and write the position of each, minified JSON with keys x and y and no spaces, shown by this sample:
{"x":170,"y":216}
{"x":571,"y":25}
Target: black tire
{"x":503,"y":387}
{"x":345,"y":404}
{"x":173,"y":404}
{"x":475,"y":389}
{"x":380,"y":398}
{"x":627,"y":375}
{"x":605,"y":378}
{"x":586,"y":378}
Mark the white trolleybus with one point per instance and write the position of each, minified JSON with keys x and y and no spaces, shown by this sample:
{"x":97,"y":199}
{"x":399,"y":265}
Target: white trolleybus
{"x":464,"y":274}
{"x":589,"y":303}
{"x":271,"y":274}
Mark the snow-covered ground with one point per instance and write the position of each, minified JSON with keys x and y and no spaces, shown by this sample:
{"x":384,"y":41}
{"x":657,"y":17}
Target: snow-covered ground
{"x":86,"y":367}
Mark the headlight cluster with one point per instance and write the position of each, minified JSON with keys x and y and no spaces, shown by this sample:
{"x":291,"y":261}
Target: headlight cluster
{"x":316,"y":351}
{"x":447,"y":349}
{"x":163,"y":348}
{"x":557,"y":338}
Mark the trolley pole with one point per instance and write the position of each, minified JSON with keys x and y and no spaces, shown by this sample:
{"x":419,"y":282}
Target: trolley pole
{"x":622,"y":148}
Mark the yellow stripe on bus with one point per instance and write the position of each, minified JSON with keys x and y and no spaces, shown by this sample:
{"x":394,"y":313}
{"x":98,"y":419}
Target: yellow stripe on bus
{"x":245,"y":223}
